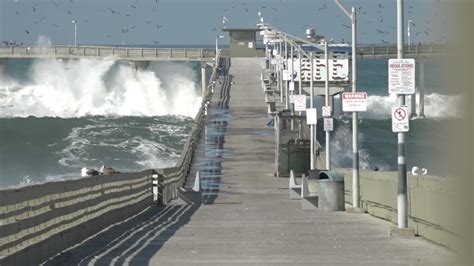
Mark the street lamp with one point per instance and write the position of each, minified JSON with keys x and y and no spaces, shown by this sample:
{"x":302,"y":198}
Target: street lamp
{"x":217,"y":45}
{"x":410,"y":22}
{"x":75,"y":32}
{"x":355,"y":141}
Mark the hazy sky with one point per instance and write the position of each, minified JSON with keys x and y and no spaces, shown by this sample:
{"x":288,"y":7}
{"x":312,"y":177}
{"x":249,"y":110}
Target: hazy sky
{"x":199,"y":21}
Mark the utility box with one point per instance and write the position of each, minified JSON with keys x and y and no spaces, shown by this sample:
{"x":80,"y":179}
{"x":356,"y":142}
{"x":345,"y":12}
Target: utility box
{"x":293,"y":149}
{"x":243,"y":42}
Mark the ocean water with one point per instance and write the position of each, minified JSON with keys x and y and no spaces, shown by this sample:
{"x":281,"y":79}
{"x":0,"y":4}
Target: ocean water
{"x":59,"y":116}
{"x":428,"y":143}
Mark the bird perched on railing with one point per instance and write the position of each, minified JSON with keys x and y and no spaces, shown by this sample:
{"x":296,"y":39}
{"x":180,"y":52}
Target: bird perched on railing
{"x":88,"y":172}
{"x":415,"y":170}
{"x":107,"y":170}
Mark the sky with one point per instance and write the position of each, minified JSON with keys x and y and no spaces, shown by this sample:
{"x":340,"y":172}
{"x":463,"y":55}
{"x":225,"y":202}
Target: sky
{"x":197,"y":22}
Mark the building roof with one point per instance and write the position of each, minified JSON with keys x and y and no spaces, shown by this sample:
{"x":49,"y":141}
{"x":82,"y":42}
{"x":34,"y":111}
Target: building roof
{"x":240,"y":29}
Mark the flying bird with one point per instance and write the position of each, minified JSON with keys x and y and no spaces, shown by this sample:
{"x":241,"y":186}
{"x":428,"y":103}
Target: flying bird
{"x":27,"y":32}
{"x":133,"y":6}
{"x":323,"y":7}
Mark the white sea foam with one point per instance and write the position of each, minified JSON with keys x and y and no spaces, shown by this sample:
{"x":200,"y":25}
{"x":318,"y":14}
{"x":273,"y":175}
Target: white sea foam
{"x":85,"y":87}
{"x":341,"y":150}
{"x":437,"y":106}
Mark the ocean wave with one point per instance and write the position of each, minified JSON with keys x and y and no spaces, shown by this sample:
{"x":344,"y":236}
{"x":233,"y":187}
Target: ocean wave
{"x":85,"y":87}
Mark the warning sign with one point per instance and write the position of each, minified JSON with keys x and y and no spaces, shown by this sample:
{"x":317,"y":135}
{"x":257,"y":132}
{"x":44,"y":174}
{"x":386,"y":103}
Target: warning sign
{"x":400,"y":120}
{"x":401,"y":76}
{"x":300,"y":102}
{"x":354,"y":101}
{"x":328,"y":124}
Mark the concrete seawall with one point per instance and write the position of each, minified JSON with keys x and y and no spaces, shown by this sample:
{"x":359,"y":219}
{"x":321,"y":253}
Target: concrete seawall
{"x":433,"y":203}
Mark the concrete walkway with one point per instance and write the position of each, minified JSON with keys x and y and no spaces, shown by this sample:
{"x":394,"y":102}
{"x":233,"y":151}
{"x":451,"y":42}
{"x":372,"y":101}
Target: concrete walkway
{"x":252,"y":221}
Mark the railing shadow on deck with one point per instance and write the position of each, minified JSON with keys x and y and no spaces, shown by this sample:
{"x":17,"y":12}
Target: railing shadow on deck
{"x":134,"y":241}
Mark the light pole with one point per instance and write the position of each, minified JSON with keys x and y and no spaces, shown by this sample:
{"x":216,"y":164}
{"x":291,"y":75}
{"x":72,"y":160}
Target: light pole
{"x":355,"y":134}
{"x":409,"y":33}
{"x":402,"y":200}
{"x":75,"y":32}
{"x":217,"y":45}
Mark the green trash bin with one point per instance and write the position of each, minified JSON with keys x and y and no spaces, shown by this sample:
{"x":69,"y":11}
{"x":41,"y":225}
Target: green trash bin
{"x":294,"y":155}
{"x":331,"y":191}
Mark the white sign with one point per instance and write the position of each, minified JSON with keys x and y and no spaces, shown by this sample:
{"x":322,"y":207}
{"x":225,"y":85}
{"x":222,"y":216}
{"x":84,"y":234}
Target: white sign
{"x":338,"y":67}
{"x":286,"y":74}
{"x":354,"y":101}
{"x":401,"y":76}
{"x":328,"y":124}
{"x":311,"y":116}
{"x":326,"y":111}
{"x":292,"y":86}
{"x":400,"y":121}
{"x":300,"y":102}
{"x":250,"y":44}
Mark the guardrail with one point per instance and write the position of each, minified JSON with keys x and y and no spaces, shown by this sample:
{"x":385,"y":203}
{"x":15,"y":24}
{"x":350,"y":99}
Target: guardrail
{"x":170,"y":179}
{"x":63,"y":51}
{"x":391,"y":50}
{"x":38,"y":221}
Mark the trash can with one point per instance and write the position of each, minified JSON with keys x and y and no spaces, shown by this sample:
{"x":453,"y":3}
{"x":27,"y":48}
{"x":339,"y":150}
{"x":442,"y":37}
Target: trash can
{"x":330,"y":191}
{"x":295,"y":156}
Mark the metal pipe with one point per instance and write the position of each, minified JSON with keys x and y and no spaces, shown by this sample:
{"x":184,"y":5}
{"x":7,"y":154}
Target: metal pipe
{"x":402,"y":169}
{"x":287,"y":100}
{"x":421,"y":104}
{"x":355,"y":120}
{"x":326,"y":102}
{"x":311,"y":104}
{"x":292,"y":68}
{"x":75,"y":32}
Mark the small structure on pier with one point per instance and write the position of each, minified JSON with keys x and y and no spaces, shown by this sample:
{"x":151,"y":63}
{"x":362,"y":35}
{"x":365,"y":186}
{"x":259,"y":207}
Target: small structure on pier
{"x":242,"y":42}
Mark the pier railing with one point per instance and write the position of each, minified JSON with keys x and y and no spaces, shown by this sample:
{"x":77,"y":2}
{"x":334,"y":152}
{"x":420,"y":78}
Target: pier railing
{"x":40,"y":220}
{"x":386,"y":51}
{"x":171,"y":179}
{"x":129,"y":53}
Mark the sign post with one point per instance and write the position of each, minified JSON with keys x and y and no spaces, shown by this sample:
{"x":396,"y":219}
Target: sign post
{"x":300,"y":102}
{"x":400,"y":121}
{"x":328,"y":124}
{"x":401,"y":76}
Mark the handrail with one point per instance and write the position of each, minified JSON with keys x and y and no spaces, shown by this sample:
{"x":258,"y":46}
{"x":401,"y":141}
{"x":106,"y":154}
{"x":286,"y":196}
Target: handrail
{"x":40,"y":51}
